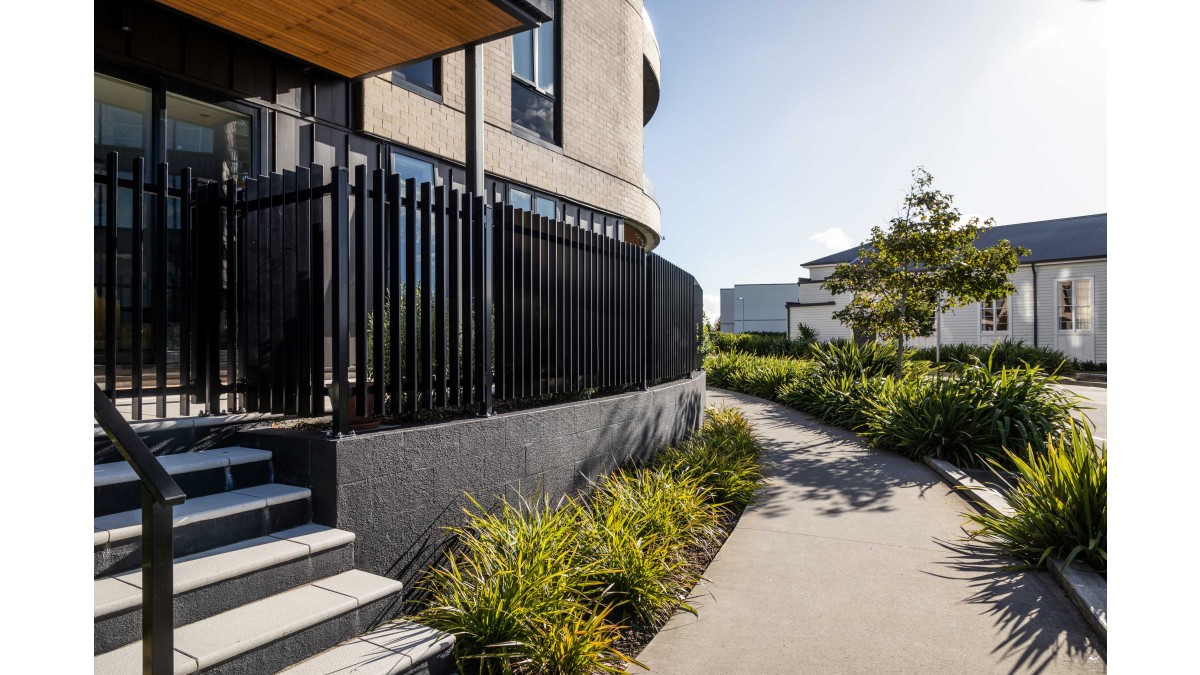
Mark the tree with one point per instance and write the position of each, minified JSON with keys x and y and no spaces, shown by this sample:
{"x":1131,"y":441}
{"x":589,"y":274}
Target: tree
{"x":924,"y":263}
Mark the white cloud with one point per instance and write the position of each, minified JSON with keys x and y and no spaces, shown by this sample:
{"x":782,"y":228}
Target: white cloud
{"x":834,"y":239}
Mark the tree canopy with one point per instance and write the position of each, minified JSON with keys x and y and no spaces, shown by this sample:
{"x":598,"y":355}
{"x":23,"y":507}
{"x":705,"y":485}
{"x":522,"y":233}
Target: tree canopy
{"x":924,"y":262}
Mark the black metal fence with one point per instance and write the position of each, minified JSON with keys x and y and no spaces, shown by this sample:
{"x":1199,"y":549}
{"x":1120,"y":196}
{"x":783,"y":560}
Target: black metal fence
{"x":387,"y":296}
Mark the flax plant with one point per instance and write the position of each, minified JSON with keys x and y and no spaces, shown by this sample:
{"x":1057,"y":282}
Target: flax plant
{"x":1059,"y":503}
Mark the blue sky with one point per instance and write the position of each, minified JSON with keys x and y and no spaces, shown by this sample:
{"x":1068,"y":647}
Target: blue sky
{"x":786,"y":130}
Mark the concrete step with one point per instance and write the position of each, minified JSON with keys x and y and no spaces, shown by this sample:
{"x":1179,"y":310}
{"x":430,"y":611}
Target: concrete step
{"x":116,"y":486}
{"x":203,"y":523}
{"x":215,"y":581}
{"x":399,"y":648}
{"x":273,"y":633}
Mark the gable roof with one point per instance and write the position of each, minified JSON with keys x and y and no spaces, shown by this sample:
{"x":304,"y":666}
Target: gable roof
{"x":1060,"y":239}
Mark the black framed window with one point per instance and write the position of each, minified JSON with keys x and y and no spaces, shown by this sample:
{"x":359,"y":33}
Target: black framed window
{"x":534,"y":81}
{"x":423,"y":77}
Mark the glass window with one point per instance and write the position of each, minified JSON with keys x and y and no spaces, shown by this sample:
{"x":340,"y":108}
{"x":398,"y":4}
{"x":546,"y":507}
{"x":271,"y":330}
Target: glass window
{"x":523,"y":55}
{"x":411,"y":167}
{"x":1075,"y":304}
{"x":121,"y":123}
{"x":426,"y":75}
{"x":520,"y":199}
{"x":993,"y":316}
{"x":545,"y":207}
{"x":212,"y":140}
{"x":546,"y":56}
{"x":535,"y":69}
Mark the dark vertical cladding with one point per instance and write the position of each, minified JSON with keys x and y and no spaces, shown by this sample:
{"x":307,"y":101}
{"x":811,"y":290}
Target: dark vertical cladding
{"x":340,"y":255}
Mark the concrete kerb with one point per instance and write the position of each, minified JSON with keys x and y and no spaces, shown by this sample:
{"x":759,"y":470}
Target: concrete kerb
{"x":1087,"y":589}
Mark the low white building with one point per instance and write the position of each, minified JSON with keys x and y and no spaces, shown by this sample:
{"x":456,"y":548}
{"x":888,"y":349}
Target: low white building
{"x":756,"y":308}
{"x":1061,"y":297}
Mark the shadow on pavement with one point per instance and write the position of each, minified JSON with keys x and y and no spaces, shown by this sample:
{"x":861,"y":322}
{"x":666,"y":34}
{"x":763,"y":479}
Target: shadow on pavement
{"x":1030,"y":612}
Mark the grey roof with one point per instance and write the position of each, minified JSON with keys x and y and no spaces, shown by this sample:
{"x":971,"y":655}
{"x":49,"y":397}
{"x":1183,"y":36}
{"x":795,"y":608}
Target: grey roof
{"x":1061,"y":239}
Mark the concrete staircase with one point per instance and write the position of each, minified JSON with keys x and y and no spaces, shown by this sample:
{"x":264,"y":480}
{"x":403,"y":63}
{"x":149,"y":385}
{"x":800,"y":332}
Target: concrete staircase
{"x":258,"y":586}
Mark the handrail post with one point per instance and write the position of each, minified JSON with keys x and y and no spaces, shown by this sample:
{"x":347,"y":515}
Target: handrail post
{"x":158,"y":639}
{"x":340,"y":274}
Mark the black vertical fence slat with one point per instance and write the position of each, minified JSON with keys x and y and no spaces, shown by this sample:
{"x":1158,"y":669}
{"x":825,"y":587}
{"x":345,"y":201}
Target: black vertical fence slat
{"x":231,"y":252}
{"x":538,"y":315}
{"x":304,"y":295}
{"x":457,"y":228}
{"x":278,"y":252}
{"x":482,"y":303}
{"x":378,"y":290}
{"x":249,"y":298}
{"x":112,"y":326}
{"x":138,"y":258}
{"x":441,"y":287}
{"x":186,"y":296}
{"x":410,"y":294}
{"x":160,"y":290}
{"x":291,"y":352}
{"x":316,"y":210}
{"x":426,"y":291}
{"x":359,"y":191}
{"x":262,"y":298}
{"x":340,"y":276}
{"x":396,"y":296}
{"x":500,"y":222}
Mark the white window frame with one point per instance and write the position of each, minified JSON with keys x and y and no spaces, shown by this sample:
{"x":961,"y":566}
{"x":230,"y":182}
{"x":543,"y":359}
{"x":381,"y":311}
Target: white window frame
{"x":1091,"y":305}
{"x":1007,"y":300}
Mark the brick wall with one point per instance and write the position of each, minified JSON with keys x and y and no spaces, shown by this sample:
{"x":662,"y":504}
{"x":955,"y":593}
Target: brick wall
{"x":600,"y":163}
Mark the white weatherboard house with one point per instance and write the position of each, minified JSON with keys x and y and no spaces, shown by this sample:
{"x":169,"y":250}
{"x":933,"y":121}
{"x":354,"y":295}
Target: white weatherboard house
{"x":1061,"y":297}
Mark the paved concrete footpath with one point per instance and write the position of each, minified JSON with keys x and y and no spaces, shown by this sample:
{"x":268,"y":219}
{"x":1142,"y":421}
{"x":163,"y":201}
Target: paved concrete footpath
{"x":851,"y":561}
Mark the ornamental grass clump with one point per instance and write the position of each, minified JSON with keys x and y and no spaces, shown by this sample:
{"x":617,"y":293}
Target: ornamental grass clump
{"x":761,"y":376}
{"x":970,"y":418}
{"x":724,"y":457}
{"x":765,"y":344}
{"x":1059,"y":502}
{"x":514,"y":588}
{"x":846,"y":357}
{"x":840,"y":399}
{"x":1003,"y":354}
{"x":546,"y":589}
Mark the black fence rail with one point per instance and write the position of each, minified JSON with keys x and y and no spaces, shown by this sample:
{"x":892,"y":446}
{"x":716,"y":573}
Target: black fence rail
{"x":391,"y":298}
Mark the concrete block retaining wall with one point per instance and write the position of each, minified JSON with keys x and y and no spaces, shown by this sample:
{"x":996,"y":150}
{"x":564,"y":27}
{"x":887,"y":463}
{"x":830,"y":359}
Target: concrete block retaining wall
{"x":395,"y":489}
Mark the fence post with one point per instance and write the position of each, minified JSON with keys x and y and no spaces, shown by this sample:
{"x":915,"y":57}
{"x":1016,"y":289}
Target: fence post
{"x":485,"y":308}
{"x":340,"y":275}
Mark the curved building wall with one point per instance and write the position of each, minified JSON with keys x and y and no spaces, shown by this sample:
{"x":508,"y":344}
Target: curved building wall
{"x":599,"y":162}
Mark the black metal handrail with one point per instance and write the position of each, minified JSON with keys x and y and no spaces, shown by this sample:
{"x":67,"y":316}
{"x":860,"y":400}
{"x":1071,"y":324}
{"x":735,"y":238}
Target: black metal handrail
{"x":160,"y":494}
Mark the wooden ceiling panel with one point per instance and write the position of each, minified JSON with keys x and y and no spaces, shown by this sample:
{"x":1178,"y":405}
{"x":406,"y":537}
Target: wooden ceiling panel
{"x":354,"y":38}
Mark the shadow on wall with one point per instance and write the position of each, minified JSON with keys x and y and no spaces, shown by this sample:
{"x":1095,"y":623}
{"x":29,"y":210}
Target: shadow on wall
{"x":398,"y":489}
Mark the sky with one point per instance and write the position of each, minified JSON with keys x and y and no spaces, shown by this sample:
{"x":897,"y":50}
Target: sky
{"x":787,"y":129}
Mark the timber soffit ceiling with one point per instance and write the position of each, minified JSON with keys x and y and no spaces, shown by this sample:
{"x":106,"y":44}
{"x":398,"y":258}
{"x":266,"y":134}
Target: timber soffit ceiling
{"x":356,"y":38}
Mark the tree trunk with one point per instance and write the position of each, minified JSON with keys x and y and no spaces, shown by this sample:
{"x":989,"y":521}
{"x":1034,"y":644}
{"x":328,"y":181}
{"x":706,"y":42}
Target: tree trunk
{"x":899,"y":356}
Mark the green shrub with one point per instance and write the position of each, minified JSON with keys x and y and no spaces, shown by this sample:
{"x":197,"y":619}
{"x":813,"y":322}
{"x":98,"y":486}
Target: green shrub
{"x":761,"y":344}
{"x":1003,"y":354}
{"x":511,"y":586}
{"x":640,"y":575}
{"x":723,"y":460}
{"x":1059,"y":502}
{"x":840,"y":399}
{"x":656,"y":504}
{"x":543,"y":589}
{"x":968,"y":418}
{"x":846,"y":357}
{"x":761,"y":376}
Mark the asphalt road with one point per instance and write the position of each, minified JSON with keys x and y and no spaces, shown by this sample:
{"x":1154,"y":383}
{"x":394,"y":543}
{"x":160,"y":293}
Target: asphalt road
{"x":1095,"y":407}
